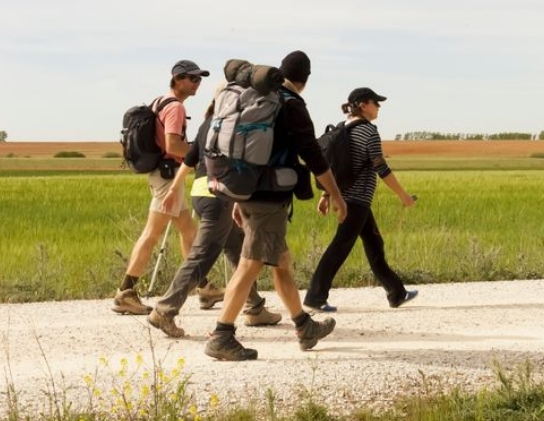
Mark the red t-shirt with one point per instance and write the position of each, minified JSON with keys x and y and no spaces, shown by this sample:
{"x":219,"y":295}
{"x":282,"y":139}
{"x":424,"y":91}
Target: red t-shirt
{"x":172,"y":119}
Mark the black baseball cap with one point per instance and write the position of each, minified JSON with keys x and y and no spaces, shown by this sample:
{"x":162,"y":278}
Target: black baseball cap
{"x":188,"y":67}
{"x":364,"y":94}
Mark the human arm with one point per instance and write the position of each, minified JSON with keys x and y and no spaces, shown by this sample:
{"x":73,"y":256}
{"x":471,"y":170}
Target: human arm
{"x":176,"y":146}
{"x":380,"y":166}
{"x":332,"y":194}
{"x":173,"y":119}
{"x":391,"y":181}
{"x":298,"y":125}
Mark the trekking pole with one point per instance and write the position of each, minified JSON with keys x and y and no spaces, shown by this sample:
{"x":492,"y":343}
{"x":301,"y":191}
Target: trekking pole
{"x":159,"y":259}
{"x":226,"y":269}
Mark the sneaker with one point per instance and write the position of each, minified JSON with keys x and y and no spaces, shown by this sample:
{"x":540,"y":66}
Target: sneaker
{"x":166,"y":324}
{"x":324,"y":308}
{"x":223,"y":345}
{"x":410,"y":295}
{"x":263,"y":318}
{"x":209,"y":295}
{"x":128,"y":302}
{"x":311,"y":332}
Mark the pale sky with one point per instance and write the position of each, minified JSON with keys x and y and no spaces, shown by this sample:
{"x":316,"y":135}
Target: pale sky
{"x":70,"y":68}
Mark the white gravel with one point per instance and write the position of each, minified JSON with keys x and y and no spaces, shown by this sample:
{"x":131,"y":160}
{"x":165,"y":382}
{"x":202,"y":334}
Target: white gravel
{"x":448,"y":336}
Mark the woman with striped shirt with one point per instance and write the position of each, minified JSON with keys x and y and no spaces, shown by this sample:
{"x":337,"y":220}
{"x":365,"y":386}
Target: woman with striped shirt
{"x":368,"y":163}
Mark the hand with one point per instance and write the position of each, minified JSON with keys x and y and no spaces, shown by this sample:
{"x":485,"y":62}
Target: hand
{"x":339,"y":207}
{"x":323,"y":205}
{"x":170,"y":200}
{"x":408,"y":199}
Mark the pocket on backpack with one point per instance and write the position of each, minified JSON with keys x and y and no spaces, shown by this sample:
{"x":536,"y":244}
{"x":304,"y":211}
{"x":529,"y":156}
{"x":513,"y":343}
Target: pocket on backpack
{"x":278,"y":179}
{"x":231,"y":179}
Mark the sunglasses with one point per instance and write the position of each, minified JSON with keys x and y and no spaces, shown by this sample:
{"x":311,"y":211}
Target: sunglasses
{"x":376,"y":103}
{"x":192,"y":78}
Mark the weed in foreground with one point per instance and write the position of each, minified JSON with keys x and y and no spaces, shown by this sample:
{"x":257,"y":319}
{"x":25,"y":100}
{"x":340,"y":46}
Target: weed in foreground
{"x":140,"y":390}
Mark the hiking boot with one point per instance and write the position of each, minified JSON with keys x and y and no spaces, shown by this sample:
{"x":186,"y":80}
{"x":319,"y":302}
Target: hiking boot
{"x":128,"y":302}
{"x":223,"y":345}
{"x":410,"y":295}
{"x":209,"y":295}
{"x":262,"y":318}
{"x":324,"y":308}
{"x":311,"y":332}
{"x":166,"y":324}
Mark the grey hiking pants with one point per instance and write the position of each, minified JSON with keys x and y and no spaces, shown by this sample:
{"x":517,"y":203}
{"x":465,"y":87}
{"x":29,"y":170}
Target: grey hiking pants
{"x":217,"y":232}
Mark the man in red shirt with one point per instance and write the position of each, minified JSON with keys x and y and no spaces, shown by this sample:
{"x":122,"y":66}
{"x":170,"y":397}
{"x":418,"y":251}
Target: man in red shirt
{"x":170,"y":135}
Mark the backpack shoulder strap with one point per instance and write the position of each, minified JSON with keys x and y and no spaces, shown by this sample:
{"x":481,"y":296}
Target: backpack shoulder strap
{"x":331,"y":127}
{"x":285,"y":96}
{"x":160,"y":105}
{"x":356,"y":123}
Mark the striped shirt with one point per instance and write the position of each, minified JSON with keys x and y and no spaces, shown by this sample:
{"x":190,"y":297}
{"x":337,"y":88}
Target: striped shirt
{"x":368,"y":163}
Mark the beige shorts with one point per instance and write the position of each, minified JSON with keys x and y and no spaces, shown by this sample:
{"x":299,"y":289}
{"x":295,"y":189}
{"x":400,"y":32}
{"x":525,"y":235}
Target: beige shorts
{"x":159,"y":188}
{"x":265,"y":229}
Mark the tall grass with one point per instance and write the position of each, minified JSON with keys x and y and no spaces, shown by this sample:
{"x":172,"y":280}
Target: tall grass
{"x":69,"y":236}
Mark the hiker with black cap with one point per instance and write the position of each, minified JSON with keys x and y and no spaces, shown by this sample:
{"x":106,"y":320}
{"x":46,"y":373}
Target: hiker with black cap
{"x":170,"y":135}
{"x":368,"y":163}
{"x":264,"y":221}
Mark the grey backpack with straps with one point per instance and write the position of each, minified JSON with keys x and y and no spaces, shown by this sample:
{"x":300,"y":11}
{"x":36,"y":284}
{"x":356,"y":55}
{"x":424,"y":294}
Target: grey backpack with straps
{"x":241,"y":135}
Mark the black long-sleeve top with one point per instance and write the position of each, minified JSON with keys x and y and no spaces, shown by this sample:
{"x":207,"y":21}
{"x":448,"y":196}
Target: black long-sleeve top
{"x":195,"y":157}
{"x":294,"y":131}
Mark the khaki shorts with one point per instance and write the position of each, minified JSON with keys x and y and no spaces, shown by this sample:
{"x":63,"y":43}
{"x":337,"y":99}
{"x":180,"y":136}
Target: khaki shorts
{"x":265,"y":228}
{"x":159,"y":188}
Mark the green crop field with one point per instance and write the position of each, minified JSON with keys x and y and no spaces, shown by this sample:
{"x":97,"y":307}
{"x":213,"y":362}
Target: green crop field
{"x":68,"y":234}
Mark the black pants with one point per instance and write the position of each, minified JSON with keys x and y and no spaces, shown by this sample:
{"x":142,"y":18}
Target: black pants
{"x":359,"y":222}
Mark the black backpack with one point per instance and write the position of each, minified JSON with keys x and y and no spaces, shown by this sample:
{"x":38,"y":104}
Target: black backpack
{"x":336,"y":147}
{"x":141,"y":153}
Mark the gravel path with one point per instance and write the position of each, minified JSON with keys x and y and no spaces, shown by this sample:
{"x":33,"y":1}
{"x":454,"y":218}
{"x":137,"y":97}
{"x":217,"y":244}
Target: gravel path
{"x":448,"y":336}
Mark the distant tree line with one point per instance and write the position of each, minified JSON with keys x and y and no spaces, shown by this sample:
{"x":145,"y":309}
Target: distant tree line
{"x":424,"y":135}
{"x":3,"y":136}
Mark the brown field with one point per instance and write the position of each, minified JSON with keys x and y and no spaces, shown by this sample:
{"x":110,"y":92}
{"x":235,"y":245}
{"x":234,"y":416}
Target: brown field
{"x":49,"y":149}
{"x":462,"y":148}
{"x":445,"y":149}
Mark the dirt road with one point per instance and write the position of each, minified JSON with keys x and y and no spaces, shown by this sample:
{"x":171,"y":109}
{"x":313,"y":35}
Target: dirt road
{"x":448,"y":336}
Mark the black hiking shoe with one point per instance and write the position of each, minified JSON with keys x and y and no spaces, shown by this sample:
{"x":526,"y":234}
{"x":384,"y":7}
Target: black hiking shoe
{"x":311,"y":332}
{"x":223,"y":345}
{"x":410,"y":295}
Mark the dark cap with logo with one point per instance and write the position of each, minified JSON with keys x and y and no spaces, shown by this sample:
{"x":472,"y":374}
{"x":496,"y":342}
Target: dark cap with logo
{"x":188,"y":67}
{"x":364,"y":94}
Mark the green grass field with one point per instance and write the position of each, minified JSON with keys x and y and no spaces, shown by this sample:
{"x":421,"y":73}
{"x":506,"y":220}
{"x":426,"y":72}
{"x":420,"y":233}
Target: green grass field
{"x":67,"y":234}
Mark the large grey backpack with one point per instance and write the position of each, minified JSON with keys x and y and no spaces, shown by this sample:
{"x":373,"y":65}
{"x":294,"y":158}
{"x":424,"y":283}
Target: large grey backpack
{"x":241,"y":135}
{"x":243,"y":124}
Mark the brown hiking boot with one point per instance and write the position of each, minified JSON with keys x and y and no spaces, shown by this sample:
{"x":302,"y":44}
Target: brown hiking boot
{"x":209,"y":295}
{"x":128,"y":302}
{"x":262,"y":318}
{"x":311,"y":332}
{"x":223,"y":345}
{"x":166,"y":324}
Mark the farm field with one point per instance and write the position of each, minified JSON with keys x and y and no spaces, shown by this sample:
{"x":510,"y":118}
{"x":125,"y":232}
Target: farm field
{"x":445,"y":149}
{"x":70,"y":234}
{"x":464,"y":214}
{"x":402,"y":155}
